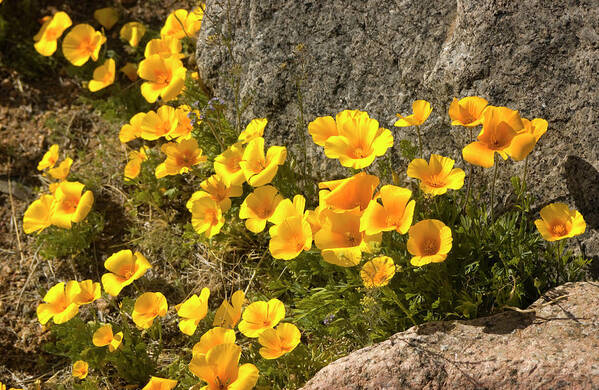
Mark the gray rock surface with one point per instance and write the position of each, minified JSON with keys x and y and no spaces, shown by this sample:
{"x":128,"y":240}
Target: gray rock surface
{"x":538,"y":56}
{"x":554,"y":344}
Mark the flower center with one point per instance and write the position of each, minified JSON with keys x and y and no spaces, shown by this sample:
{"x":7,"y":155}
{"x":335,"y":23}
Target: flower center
{"x":559,"y":229}
{"x":234,"y":164}
{"x":360,"y":152}
{"x":162,"y":77}
{"x":429,"y":247}
{"x":210,"y":217}
{"x":87,"y":46}
{"x":351,"y":239}
{"x":264,"y":213}
{"x":185,"y":159}
{"x":69,"y":205}
{"x":51,"y":34}
{"x":435,"y":181}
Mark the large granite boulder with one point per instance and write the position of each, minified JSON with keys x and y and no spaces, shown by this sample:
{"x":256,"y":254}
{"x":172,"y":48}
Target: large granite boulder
{"x":554,"y":344}
{"x":540,"y":57}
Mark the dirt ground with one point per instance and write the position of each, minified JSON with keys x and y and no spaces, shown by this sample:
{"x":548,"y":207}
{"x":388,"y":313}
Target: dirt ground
{"x":26,"y":104}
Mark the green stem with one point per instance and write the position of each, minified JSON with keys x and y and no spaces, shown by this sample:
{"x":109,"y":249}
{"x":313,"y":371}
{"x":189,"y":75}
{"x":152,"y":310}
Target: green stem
{"x":524,"y":175}
{"x":493,"y":189}
{"x":419,"y":141}
{"x":406,"y":312}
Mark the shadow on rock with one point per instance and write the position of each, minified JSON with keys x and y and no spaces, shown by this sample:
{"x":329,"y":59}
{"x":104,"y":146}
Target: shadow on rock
{"x":583,"y":184}
{"x":434,"y":327}
{"x":505,"y":322}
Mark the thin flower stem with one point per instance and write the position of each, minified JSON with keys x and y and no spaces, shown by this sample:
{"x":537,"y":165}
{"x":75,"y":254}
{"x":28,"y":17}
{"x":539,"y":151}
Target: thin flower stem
{"x":468,"y":189}
{"x":254,"y":273}
{"x":419,"y":141}
{"x":406,"y":312}
{"x":493,"y":189}
{"x":214,"y":133}
{"x":525,"y":172}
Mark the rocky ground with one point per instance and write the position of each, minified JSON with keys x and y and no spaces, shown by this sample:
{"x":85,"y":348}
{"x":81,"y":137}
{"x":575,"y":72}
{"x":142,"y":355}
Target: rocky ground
{"x":29,"y":108}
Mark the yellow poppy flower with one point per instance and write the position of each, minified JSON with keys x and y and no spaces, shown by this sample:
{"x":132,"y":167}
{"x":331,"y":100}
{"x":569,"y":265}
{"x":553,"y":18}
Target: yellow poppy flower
{"x":133,"y":167}
{"x":254,"y":129}
{"x":103,"y":76}
{"x":537,"y":127}
{"x":395,"y":213}
{"x":84,"y":292}
{"x":46,"y":39}
{"x":226,"y":165}
{"x":377,"y":272}
{"x":359,"y":142}
{"x":220,"y":192}
{"x":130,"y":70}
{"x":158,"y":124}
{"x":132,"y":130}
{"x":107,"y":17}
{"x":180,"y":157}
{"x":38,"y":215}
{"x":165,"y":47}
{"x":258,"y":207}
{"x":147,"y":307}
{"x":180,"y":23}
{"x":277,"y":342}
{"x":261,"y":315}
{"x":165,"y":77}
{"x":315,"y":218}
{"x":290,"y":238}
{"x":259,"y":169}
{"x":558,"y":221}
{"x":351,"y":194}
{"x":59,"y":306}
{"x":49,"y":159}
{"x":70,"y":205}
{"x":103,"y":336}
{"x":62,"y":170}
{"x":80,"y":369}
{"x":500,"y":134}
{"x":429,"y":242}
{"x":421,"y":110}
{"x":124,"y":267}
{"x":184,"y":126}
{"x":212,"y":338}
{"x":229,"y":314}
{"x":436,"y":176}
{"x":340,"y":240}
{"x":192,"y":311}
{"x":322,"y":128}
{"x":220,"y":369}
{"x":206,"y":215}
{"x":81,"y":43}
{"x":467,"y":111}
{"x":287,"y":209}
{"x":156,"y":383}
{"x":132,"y":32}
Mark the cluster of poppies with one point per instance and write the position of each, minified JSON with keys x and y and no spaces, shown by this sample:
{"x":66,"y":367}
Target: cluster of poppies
{"x":65,"y":204}
{"x":352,"y":214}
{"x":215,"y":358}
{"x":162,"y":69}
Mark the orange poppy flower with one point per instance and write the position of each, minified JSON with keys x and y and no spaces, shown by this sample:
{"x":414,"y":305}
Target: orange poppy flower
{"x":558,"y":221}
{"x":429,"y":242}
{"x":467,"y":111}
{"x":500,"y":134}
{"x":81,"y":43}
{"x":395,"y":213}
{"x":436,"y":176}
